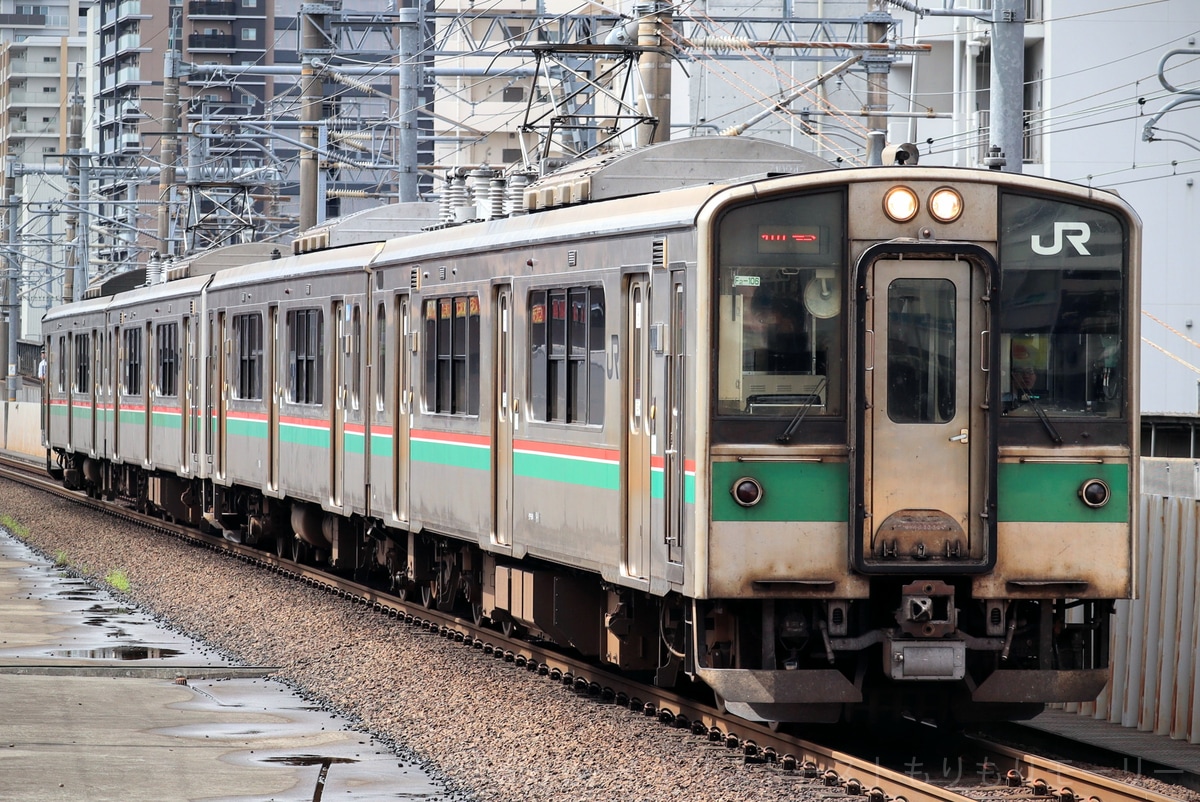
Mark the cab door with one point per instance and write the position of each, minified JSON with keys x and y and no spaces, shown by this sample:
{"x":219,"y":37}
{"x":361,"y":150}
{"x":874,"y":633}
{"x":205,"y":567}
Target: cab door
{"x":925,"y":480}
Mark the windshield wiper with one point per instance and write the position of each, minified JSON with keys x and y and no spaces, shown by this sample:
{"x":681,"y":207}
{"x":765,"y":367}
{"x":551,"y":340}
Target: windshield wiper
{"x":813,"y":399}
{"x":1041,"y":413}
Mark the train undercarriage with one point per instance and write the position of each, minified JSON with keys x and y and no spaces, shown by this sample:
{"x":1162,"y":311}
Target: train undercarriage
{"x":916,"y":647}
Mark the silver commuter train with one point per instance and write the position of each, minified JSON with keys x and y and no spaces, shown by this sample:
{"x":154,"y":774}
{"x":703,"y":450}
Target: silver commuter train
{"x":831,"y":442}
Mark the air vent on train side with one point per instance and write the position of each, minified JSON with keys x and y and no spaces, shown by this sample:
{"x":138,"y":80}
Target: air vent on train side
{"x":659,"y":257}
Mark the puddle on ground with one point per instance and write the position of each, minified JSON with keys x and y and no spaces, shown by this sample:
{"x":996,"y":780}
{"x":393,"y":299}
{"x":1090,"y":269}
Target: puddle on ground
{"x":119,"y":653}
{"x":307,"y":760}
{"x":257,"y":722}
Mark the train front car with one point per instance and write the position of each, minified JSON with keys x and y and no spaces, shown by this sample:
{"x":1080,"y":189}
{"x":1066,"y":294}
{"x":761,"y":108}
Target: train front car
{"x":922,"y":443}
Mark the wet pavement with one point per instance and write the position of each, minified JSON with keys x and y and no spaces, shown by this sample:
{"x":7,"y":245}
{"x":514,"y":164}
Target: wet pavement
{"x":98,"y":702}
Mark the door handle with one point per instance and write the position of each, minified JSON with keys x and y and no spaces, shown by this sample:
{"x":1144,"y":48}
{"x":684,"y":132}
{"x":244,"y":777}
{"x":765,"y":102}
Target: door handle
{"x":961,"y":437}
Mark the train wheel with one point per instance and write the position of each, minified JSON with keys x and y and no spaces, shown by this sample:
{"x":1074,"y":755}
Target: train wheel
{"x":428,"y":595}
{"x":282,"y":547}
{"x":300,"y":550}
{"x":477,"y":613}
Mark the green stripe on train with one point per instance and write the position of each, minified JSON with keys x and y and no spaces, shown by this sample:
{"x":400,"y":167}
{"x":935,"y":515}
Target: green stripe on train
{"x":556,"y":468}
{"x":381,"y":445}
{"x":792,"y":491}
{"x":303,"y":435}
{"x":246,"y":427}
{"x":167,"y":420}
{"x":1042,"y":491}
{"x":454,"y":455}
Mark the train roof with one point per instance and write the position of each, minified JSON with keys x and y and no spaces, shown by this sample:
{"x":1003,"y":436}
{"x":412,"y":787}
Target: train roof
{"x":674,"y":164}
{"x":346,"y":259}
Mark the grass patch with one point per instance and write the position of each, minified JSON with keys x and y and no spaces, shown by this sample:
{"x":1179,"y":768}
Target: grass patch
{"x":61,"y":560}
{"x":13,"y":525}
{"x":118,"y":580}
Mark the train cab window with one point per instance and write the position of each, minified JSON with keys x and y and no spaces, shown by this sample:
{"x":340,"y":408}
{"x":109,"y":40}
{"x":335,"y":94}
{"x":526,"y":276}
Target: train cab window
{"x":131,"y":375}
{"x":248,"y":354}
{"x":306,"y":356}
{"x":1063,"y":303}
{"x":83,"y":363}
{"x":451,"y":347}
{"x":167,"y":336}
{"x":566,"y":358}
{"x":921,"y":340}
{"x":780,"y":345}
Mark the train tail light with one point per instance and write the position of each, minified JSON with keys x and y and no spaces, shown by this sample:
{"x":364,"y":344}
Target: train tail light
{"x":747,"y":491}
{"x":1095,"y":493}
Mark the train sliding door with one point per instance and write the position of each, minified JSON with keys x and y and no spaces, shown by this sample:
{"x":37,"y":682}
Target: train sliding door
{"x":925,"y":475}
{"x":506,"y":414}
{"x":273,"y":393}
{"x":403,"y":410}
{"x":639,"y":432}
{"x":674,"y":455}
{"x":337,"y":406}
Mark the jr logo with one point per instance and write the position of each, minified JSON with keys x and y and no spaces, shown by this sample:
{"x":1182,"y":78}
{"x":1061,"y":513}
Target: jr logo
{"x":1075,"y":233}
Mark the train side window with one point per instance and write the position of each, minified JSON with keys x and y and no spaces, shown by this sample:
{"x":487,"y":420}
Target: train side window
{"x":566,"y":359}
{"x":132,"y":342}
{"x":62,"y":364}
{"x":381,"y":357}
{"x":83,"y":362}
{"x":167,"y":336}
{"x":248,"y":342}
{"x":452,"y":346}
{"x":306,"y":355}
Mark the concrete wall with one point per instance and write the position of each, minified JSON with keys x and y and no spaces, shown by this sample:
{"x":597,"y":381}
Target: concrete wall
{"x":22,"y":428}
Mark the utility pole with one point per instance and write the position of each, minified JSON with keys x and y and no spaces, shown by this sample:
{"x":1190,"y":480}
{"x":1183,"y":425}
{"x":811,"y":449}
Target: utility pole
{"x":12,"y":203}
{"x":654,"y":67}
{"x":878,"y":66}
{"x":170,"y":146}
{"x":1008,"y":82}
{"x":407,"y":100}
{"x":72,"y":229}
{"x":312,"y":90}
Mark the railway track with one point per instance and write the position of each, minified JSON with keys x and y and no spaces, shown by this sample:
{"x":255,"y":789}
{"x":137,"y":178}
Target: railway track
{"x":994,"y":771}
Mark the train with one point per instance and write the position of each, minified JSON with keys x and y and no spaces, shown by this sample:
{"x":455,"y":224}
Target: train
{"x":830,"y":442}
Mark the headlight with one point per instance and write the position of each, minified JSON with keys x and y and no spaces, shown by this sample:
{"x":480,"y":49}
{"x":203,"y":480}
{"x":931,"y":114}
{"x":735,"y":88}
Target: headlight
{"x":901,"y":204}
{"x":945,"y":204}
